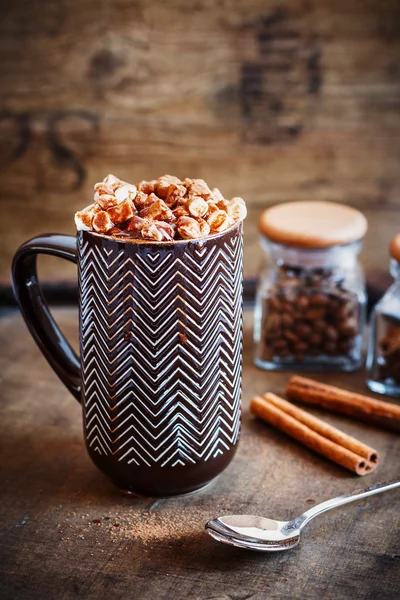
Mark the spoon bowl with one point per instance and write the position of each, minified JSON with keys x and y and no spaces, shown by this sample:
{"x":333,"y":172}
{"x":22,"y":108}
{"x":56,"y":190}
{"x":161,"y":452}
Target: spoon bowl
{"x":267,"y":535}
{"x":255,"y":533}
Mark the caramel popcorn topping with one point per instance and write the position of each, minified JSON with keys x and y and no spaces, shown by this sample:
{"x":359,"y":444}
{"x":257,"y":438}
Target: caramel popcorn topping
{"x":164,"y":209}
{"x":102,"y":222}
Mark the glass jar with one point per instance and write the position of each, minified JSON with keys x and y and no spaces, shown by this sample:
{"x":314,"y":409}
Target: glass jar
{"x":383,"y":361}
{"x":310,"y":304}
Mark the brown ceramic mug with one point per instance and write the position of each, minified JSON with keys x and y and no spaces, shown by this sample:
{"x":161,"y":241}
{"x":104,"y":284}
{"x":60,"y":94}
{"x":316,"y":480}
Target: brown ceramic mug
{"x":159,"y":373}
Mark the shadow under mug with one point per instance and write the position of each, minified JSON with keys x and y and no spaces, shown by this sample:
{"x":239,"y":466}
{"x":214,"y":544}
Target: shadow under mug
{"x":159,"y":372}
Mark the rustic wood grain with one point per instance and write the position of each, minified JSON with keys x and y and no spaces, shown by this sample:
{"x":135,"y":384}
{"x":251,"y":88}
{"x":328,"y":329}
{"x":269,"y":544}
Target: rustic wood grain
{"x":66,"y":533}
{"x":274,"y":101}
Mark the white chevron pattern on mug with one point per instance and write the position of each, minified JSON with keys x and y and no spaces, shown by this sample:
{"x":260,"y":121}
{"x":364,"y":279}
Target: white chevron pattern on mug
{"x":151,"y":397}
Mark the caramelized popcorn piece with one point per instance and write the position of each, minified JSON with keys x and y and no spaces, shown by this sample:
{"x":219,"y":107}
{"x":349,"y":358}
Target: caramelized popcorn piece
{"x":176,"y":193}
{"x":121,"y":213}
{"x":204,"y":227}
{"x":103,"y":188}
{"x":147,"y":187}
{"x":125,"y":192}
{"x":166,"y":229}
{"x":237,"y":209}
{"x":216,"y":195}
{"x":170,"y":228}
{"x":102,"y":222}
{"x":105,"y":200}
{"x":112,"y":181}
{"x":152,"y":198}
{"x":135,"y":224}
{"x":158,"y":211}
{"x":219,"y":221}
{"x":163,"y":184}
{"x":199,"y":188}
{"x":150,"y":231}
{"x":180,"y":211}
{"x":157,"y":231}
{"x":141,"y":200}
{"x":212,"y":208}
{"x":223,"y":205}
{"x":115,"y":231}
{"x":83,"y":219}
{"x":188,"y":228}
{"x":197,"y":206}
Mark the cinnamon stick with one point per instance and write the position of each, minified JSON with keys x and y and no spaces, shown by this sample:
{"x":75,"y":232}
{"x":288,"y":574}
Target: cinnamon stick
{"x":358,"y":406}
{"x":315,"y":434}
{"x":328,"y":431}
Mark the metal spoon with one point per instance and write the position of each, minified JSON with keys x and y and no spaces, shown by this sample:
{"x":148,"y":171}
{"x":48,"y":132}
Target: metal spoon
{"x":267,"y":535}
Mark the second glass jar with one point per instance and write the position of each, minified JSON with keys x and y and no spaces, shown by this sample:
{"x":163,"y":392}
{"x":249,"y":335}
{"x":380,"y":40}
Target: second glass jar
{"x":383,"y":361}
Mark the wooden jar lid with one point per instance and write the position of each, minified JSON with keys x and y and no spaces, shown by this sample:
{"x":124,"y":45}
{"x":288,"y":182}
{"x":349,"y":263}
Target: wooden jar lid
{"x":313,"y":224}
{"x":394,"y":247}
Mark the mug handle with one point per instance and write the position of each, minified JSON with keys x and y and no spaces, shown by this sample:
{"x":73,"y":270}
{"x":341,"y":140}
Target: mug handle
{"x":52,"y":343}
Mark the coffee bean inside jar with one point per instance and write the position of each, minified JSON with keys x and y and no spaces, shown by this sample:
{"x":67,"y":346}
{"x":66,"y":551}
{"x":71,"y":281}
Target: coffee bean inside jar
{"x":300,"y":320}
{"x":388,"y":360}
{"x":311,"y":295}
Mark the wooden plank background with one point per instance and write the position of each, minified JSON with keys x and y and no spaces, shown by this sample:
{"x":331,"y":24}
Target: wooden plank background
{"x":273,"y":100}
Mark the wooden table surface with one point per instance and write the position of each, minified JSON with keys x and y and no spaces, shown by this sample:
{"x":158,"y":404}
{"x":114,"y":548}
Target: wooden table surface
{"x":66,"y":532}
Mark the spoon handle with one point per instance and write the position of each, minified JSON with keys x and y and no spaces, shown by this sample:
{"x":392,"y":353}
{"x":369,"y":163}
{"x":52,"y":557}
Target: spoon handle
{"x":376,"y":488}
